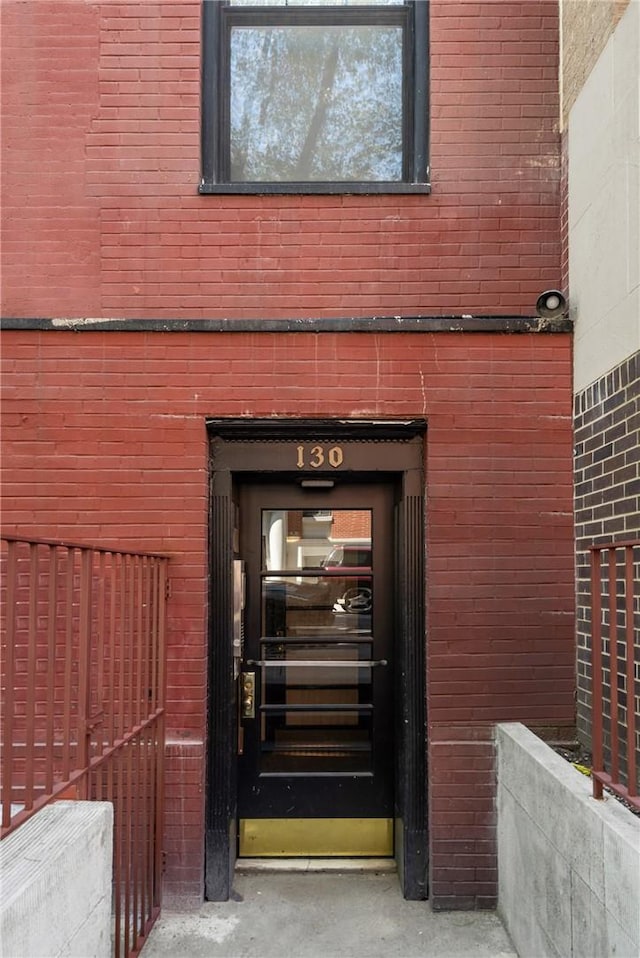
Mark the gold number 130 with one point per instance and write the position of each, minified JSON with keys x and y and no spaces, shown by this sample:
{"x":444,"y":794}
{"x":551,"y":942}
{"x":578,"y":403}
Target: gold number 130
{"x":316,"y":457}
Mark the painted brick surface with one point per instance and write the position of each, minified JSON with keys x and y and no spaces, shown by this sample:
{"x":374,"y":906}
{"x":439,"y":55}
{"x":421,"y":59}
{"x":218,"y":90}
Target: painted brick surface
{"x":102,"y":163}
{"x":105,"y":441}
{"x":104,"y":433}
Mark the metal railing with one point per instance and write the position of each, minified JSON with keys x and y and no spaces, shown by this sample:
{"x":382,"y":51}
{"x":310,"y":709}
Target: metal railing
{"x":83,"y":690}
{"x":615,"y":668}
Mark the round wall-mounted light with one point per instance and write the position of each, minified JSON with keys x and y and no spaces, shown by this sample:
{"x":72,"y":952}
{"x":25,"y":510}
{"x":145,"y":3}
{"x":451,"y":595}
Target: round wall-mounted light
{"x":551,"y":304}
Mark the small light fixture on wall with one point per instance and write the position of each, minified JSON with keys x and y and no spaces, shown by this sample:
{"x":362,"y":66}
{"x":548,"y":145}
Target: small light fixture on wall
{"x":551,"y":304}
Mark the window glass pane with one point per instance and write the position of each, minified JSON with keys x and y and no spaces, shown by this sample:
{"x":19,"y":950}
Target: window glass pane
{"x":316,"y":103}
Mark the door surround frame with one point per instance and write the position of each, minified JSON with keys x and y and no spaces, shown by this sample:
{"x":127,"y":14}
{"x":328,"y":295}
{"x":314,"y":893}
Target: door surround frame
{"x":251,"y":449}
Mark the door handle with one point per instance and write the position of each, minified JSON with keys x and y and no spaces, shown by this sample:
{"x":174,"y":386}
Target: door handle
{"x":315,"y":663}
{"x":248,"y":695}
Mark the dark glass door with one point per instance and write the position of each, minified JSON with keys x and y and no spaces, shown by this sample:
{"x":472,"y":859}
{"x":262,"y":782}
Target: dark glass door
{"x":316,"y":763}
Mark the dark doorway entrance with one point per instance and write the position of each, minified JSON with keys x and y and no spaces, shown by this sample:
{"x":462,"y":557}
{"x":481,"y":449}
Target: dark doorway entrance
{"x":317,"y":694}
{"x":317,"y":719}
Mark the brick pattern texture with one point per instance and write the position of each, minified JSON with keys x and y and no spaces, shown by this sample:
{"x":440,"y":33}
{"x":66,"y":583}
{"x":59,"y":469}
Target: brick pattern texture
{"x":100,"y":178}
{"x":104,"y":433}
{"x":105,"y":441}
{"x":607,"y":492}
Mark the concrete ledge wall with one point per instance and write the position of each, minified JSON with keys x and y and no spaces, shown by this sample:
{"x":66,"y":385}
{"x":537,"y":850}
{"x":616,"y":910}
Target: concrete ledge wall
{"x":568,"y":865}
{"x":55,"y":894}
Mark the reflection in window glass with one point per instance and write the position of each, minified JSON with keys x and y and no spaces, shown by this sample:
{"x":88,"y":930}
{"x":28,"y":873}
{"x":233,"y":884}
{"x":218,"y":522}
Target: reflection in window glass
{"x":316,"y":103}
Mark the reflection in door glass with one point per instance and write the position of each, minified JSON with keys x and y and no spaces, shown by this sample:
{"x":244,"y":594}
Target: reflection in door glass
{"x":316,"y":707}
{"x":317,"y":599}
{"x":316,"y":538}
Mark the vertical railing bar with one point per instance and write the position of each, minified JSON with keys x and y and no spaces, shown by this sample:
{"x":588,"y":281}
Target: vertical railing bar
{"x":632,"y":782}
{"x":613,"y":661}
{"x":68,"y":659}
{"x":146,"y":816}
{"x":131,"y":643}
{"x":113,"y":631}
{"x":120,"y":724}
{"x":135,"y":824}
{"x":128,"y":757}
{"x":30,"y":704}
{"x":51,"y":664}
{"x":161,"y":658}
{"x":596,"y":669}
{"x":84,"y":655}
{"x":147,"y":906}
{"x":9,"y":689}
{"x":117,"y":797}
{"x":140,"y":714}
{"x":100,"y":640}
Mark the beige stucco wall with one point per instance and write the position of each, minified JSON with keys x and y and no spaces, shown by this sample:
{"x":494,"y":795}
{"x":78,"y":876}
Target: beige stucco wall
{"x":604,"y":205}
{"x":585,"y":27}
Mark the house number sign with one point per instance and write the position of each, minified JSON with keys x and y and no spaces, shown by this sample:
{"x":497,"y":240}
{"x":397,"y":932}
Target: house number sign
{"x":315,"y":457}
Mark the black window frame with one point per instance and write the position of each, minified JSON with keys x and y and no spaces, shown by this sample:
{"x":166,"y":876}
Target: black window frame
{"x":218,"y":18}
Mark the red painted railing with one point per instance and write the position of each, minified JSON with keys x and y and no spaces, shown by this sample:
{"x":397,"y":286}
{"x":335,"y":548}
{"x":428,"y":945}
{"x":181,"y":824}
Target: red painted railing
{"x":83,"y":687}
{"x":615,"y":665}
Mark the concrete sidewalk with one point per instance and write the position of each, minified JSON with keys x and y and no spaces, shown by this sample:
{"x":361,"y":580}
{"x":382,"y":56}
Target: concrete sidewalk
{"x":311,"y":915}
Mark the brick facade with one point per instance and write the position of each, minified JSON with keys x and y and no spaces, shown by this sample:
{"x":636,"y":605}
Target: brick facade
{"x":106,"y":441}
{"x":100,"y":178}
{"x":607,"y":491}
{"x":104,"y":431}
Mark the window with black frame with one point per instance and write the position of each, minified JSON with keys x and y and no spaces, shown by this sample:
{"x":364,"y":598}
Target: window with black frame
{"x":314,"y":97}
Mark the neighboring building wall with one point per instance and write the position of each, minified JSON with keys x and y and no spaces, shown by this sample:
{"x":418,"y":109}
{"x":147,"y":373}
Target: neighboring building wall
{"x":585,"y":27}
{"x":104,"y":431}
{"x":604,"y":200}
{"x":604,"y":287}
{"x":607,"y":492}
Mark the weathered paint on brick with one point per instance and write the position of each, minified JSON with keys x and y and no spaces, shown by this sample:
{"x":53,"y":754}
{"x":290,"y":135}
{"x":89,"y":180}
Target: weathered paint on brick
{"x":105,"y":441}
{"x":104,"y":432}
{"x":100,"y":177}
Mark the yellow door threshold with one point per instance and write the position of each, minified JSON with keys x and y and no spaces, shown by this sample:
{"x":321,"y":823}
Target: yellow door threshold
{"x":316,"y":837}
{"x":358,"y":865}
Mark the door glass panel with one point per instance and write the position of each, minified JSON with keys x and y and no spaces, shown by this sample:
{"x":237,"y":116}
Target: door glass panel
{"x":313,"y":539}
{"x":317,"y":606}
{"x":316,"y":707}
{"x":316,"y":711}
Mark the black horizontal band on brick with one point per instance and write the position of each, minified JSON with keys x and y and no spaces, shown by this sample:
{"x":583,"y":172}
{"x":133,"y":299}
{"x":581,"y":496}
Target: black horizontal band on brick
{"x":355,"y":324}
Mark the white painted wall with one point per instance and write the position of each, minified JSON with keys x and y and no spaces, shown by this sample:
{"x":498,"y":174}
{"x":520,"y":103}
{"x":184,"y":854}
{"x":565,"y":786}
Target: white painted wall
{"x":568,"y":865}
{"x":55,"y":883}
{"x":604,"y":207}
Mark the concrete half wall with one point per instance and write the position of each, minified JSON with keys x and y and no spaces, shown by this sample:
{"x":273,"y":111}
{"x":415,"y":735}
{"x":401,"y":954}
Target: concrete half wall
{"x":568,"y":865}
{"x":55,"y":897}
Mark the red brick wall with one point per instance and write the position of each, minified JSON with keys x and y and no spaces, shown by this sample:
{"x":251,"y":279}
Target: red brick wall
{"x":102,"y":162}
{"x":105,"y":441}
{"x":104,"y":432}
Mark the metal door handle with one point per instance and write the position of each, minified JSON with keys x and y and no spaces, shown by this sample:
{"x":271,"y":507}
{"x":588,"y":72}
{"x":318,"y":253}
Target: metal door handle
{"x":308,"y":663}
{"x":248,"y":695}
